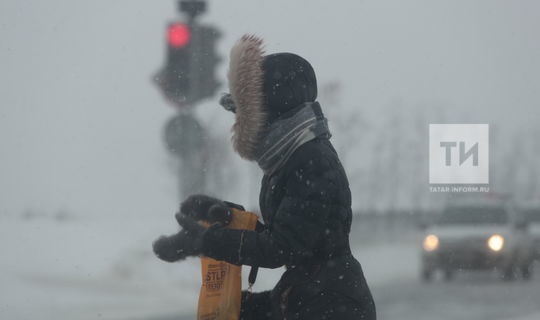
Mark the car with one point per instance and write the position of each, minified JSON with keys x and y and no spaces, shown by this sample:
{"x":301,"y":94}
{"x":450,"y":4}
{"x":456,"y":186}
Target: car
{"x":531,"y":213}
{"x":477,"y":237}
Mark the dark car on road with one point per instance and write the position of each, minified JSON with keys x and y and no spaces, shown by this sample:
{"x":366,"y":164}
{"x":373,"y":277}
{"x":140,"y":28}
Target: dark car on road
{"x":477,"y":237}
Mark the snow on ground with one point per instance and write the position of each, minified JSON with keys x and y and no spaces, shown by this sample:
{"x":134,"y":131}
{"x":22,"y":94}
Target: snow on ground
{"x":105,"y":269}
{"x":91,"y":269}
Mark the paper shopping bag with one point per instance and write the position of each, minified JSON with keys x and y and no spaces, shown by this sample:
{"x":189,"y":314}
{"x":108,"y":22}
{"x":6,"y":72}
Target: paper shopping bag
{"x":221,"y":289}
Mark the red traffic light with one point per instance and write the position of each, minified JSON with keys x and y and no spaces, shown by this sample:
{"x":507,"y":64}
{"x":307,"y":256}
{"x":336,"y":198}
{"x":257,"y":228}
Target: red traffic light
{"x":178,"y":35}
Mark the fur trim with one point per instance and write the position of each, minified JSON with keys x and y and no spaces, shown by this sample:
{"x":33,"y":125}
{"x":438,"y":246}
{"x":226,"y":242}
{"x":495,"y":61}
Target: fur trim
{"x":246,"y":86}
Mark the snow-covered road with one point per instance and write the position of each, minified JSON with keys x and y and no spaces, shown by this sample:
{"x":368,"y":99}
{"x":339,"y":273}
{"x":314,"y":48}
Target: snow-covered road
{"x":95,"y":270}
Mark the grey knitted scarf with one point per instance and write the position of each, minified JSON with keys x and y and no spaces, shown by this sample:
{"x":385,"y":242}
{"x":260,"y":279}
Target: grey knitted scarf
{"x":286,"y":135}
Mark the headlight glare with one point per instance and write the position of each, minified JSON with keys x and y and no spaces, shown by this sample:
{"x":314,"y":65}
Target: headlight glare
{"x":431,"y":242}
{"x":496,"y":242}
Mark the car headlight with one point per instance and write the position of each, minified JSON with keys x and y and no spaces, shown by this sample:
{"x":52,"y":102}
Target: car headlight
{"x":496,"y":242}
{"x":431,"y":242}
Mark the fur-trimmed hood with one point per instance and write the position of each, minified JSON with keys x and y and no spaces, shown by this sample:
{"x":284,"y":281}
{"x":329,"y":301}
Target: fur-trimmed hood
{"x":263,"y":89}
{"x":246,"y":79}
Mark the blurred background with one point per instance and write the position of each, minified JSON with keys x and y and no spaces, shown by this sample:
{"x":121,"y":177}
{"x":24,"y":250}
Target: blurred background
{"x":88,"y":176}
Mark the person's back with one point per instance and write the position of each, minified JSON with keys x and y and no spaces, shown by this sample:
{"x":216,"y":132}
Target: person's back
{"x":327,"y":280}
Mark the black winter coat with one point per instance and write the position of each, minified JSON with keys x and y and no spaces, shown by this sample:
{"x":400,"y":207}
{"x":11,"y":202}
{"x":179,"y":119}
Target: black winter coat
{"x":306,"y":207}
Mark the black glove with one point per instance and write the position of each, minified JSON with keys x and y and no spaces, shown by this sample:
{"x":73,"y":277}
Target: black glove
{"x":204,"y":208}
{"x":186,"y":243}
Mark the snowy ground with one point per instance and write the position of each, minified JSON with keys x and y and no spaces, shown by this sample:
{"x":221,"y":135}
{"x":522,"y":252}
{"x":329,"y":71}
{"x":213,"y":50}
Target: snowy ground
{"x":96,"y":270}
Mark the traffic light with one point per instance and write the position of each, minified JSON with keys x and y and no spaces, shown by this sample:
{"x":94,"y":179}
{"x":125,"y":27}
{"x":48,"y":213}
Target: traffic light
{"x":189,"y":72}
{"x":178,"y":35}
{"x":173,"y":79}
{"x":205,"y":61}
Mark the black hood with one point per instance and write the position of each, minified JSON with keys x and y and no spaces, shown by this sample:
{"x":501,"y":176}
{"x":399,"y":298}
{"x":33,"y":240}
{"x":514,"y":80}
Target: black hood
{"x":289,"y":81}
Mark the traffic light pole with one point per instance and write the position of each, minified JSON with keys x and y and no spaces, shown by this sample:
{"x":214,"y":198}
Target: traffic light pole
{"x":187,"y":78}
{"x":192,"y":8}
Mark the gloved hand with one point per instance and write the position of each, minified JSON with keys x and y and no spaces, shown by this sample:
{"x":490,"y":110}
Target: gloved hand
{"x":204,"y":208}
{"x":186,"y":243}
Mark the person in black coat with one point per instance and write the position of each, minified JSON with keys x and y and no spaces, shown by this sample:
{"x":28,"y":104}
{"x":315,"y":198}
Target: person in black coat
{"x":305,"y":200}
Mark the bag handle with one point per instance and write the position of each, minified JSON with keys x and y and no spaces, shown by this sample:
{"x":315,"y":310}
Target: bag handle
{"x":252,"y":278}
